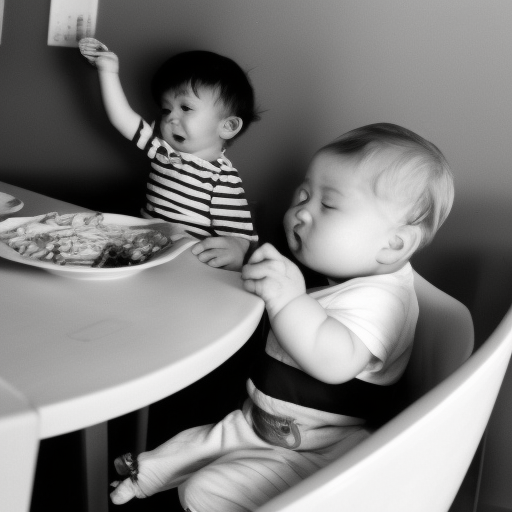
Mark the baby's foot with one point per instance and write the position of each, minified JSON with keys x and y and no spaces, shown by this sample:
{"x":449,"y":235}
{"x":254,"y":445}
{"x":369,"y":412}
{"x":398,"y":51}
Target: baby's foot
{"x":129,"y":488}
{"x":147,"y":474}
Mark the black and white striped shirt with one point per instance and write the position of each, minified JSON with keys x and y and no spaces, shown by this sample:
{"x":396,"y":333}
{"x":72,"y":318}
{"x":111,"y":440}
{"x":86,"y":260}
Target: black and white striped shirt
{"x":200,"y":198}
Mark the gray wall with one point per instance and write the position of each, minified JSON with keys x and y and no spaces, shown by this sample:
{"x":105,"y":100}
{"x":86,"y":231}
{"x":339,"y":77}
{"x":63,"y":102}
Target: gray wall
{"x":442,"y":68}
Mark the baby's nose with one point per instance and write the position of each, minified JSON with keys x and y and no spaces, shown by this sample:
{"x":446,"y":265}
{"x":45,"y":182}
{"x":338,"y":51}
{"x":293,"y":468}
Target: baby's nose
{"x":303,"y":214}
{"x":171,"y":115}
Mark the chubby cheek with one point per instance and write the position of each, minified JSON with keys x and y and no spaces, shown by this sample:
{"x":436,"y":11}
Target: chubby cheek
{"x":314,"y":251}
{"x":164,"y":127}
{"x":334,"y":253}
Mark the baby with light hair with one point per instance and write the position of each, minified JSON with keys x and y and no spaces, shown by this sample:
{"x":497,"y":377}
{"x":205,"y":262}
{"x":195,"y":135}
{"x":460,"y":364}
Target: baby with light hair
{"x":330,"y":370}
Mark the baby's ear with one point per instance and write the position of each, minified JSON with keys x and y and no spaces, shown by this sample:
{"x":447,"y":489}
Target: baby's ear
{"x":401,"y":245}
{"x":230,"y":126}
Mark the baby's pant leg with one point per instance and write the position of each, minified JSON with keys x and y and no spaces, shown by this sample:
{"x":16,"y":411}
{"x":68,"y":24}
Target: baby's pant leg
{"x":174,"y":461}
{"x":245,"y":480}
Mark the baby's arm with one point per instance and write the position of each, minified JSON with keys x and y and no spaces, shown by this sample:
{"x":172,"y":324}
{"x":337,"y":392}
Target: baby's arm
{"x":230,"y":213}
{"x":322,"y":346}
{"x":118,"y":110}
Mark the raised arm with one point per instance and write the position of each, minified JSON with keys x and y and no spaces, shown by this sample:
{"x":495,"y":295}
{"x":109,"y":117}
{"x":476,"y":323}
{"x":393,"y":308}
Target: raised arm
{"x":116,"y":105}
{"x":322,"y":346}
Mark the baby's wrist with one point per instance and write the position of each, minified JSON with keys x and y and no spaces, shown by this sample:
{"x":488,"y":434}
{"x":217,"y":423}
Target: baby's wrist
{"x":105,"y":71}
{"x":279,"y":306}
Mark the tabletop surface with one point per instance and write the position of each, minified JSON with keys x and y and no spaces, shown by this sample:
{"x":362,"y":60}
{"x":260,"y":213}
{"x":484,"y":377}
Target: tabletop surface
{"x":83,"y":352}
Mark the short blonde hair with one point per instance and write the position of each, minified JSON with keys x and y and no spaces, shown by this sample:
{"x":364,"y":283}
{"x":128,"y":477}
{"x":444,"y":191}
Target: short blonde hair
{"x":416,"y":171}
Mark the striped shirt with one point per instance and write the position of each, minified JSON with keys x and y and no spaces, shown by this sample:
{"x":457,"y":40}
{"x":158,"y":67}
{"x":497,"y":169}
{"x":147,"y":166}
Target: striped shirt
{"x":200,"y":198}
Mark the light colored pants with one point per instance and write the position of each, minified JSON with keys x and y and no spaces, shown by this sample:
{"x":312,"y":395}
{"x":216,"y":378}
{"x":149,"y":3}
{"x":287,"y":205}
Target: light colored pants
{"x":227,"y":467}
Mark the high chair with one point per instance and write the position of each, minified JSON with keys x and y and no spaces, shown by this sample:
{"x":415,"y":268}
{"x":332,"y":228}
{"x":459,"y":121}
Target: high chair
{"x":417,"y":461}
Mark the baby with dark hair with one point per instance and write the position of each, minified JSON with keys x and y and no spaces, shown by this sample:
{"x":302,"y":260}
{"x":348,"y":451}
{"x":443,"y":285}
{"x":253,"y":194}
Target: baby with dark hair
{"x":206,"y":102}
{"x":202,"y":68}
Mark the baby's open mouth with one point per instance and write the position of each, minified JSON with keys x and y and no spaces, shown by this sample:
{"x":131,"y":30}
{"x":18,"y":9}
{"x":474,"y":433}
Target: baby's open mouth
{"x":178,"y":138}
{"x":298,"y":241}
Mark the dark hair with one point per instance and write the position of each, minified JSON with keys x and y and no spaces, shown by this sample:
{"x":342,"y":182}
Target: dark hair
{"x":201,"y":68}
{"x":417,"y":171}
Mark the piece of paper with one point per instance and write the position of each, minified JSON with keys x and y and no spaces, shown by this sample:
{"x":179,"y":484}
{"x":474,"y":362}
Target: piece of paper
{"x":70,"y":21}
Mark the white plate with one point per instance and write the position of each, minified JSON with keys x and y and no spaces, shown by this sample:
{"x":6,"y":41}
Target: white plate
{"x":9,"y":204}
{"x":77,"y":272}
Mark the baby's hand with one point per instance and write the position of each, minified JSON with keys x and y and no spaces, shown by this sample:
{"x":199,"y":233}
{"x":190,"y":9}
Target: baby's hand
{"x":98,"y":55}
{"x":222,"y":251}
{"x":273,"y":277}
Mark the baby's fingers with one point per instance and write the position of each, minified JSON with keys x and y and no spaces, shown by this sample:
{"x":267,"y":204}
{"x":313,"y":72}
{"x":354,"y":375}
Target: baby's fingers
{"x":92,"y":49}
{"x":90,"y":44}
{"x":265,"y":252}
{"x":260,"y":287}
{"x":266,"y":268}
{"x":214,"y":258}
{"x":94,"y":56}
{"x":250,"y":285}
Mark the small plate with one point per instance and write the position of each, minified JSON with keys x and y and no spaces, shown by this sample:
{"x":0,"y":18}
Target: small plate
{"x":89,"y":273}
{"x":9,"y":204}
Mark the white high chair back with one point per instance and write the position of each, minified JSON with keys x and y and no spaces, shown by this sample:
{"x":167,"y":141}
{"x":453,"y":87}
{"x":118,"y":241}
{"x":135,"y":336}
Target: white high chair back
{"x":417,"y":461}
{"x":443,"y":339}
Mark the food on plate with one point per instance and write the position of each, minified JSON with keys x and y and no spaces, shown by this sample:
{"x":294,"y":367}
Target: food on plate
{"x":81,"y":239}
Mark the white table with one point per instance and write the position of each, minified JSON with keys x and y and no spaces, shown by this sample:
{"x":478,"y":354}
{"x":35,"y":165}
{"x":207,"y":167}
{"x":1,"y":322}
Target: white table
{"x":84,"y":352}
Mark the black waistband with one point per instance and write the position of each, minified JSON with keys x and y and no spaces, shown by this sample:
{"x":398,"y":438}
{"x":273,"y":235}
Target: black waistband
{"x":356,"y":398}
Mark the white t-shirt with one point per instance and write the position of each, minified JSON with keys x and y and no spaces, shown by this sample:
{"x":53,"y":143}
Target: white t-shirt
{"x":380,"y":310}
